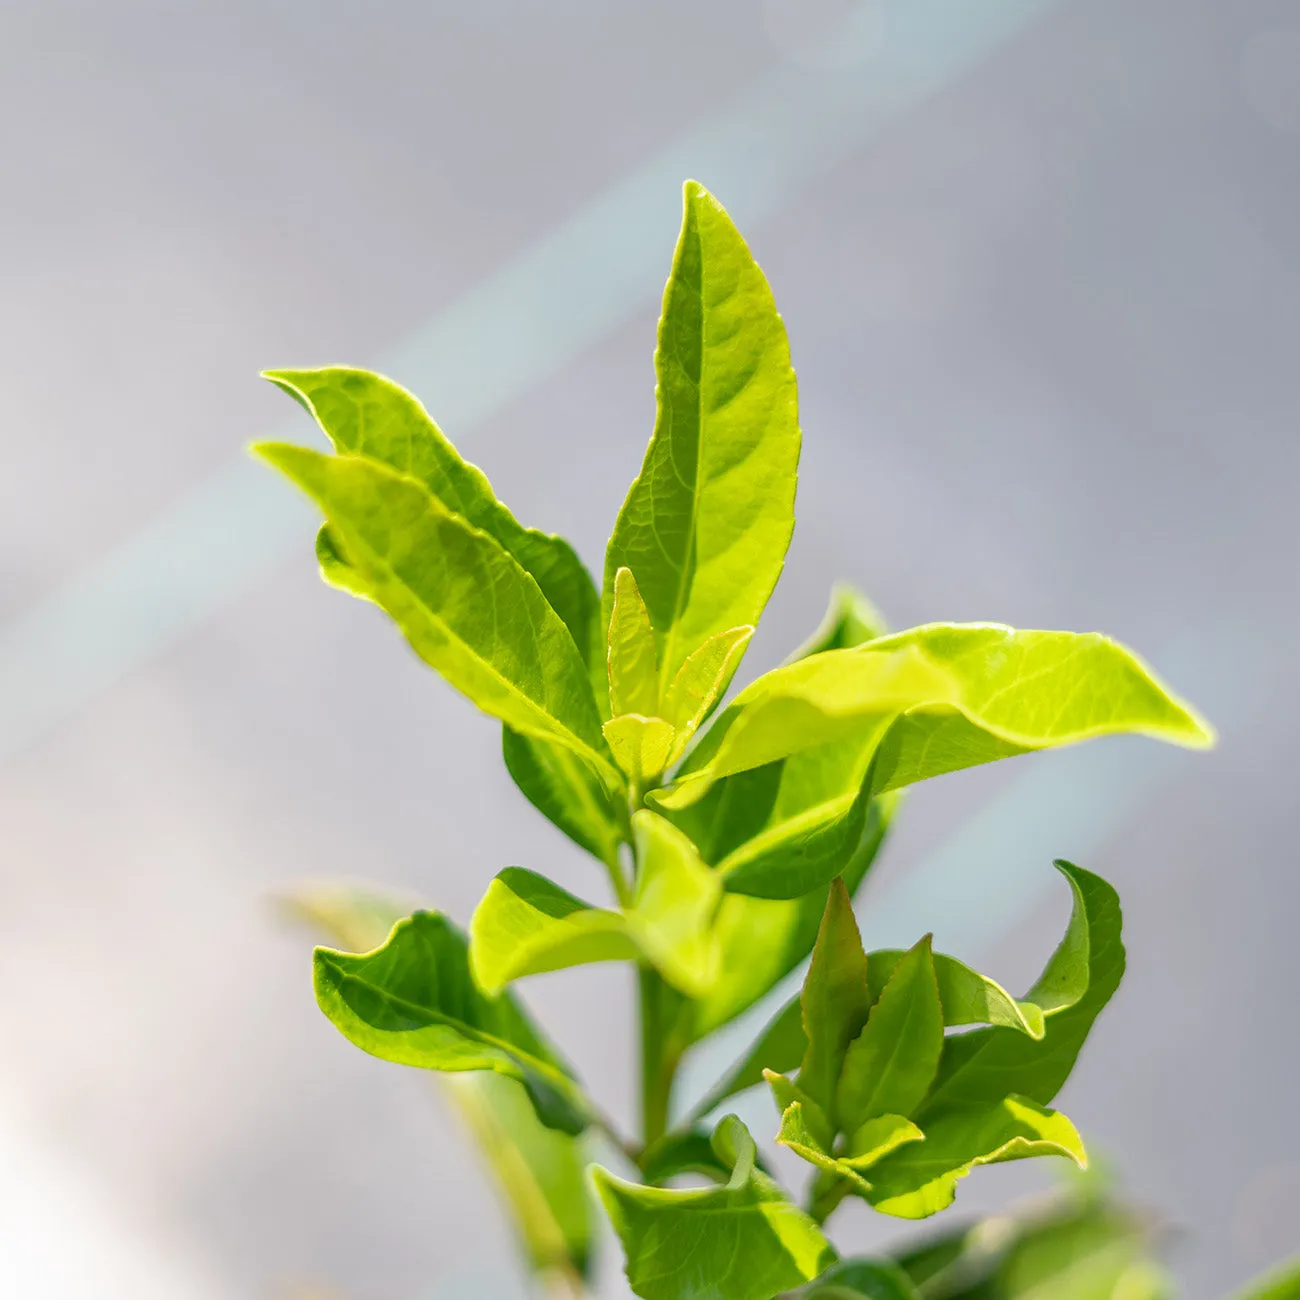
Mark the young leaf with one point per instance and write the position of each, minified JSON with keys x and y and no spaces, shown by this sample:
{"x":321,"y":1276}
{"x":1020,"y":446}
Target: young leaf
{"x":742,"y":1241}
{"x":761,"y":940}
{"x":917,"y":1181}
{"x":676,"y":899}
{"x":850,"y":619}
{"x":968,"y":998}
{"x":980,"y":1067}
{"x":465,"y":605}
{"x":633,"y":678}
{"x":834,"y":1000}
{"x":526,"y":924}
{"x":640,"y":745}
{"x":565,"y":791}
{"x":366,"y":415}
{"x":706,"y":525}
{"x":810,"y":1123}
{"x":940,"y":698}
{"x":683,"y":1152}
{"x":871,"y":1143}
{"x":414,"y":1002}
{"x":889,"y":1066}
{"x":700,"y":682}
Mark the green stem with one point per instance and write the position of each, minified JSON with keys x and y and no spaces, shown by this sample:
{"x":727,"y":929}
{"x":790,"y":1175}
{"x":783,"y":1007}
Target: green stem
{"x":658,"y":1058}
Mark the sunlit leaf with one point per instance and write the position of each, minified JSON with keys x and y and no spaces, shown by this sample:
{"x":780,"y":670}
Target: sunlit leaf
{"x":700,"y":682}
{"x":706,"y":525}
{"x":633,"y":677}
{"x":414,"y":1002}
{"x":640,"y":745}
{"x":526,"y":924}
{"x":870,"y":1143}
{"x":740,"y":1241}
{"x":920,"y":1179}
{"x":465,"y":605}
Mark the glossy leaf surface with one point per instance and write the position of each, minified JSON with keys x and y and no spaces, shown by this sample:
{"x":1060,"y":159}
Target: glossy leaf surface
{"x":741,"y":1241}
{"x":526,"y":924}
{"x":921,"y":1179}
{"x":706,"y":524}
{"x":414,"y":1002}
{"x":465,"y":605}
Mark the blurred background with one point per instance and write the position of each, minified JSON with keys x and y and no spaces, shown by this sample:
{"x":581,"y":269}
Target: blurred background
{"x":1040,"y":263}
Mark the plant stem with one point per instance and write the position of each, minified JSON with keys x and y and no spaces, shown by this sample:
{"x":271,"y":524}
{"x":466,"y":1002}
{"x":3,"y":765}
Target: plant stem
{"x":658,"y":1060}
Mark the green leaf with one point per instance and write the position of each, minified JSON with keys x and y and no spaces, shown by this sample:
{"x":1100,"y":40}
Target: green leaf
{"x":465,"y":605}
{"x":565,"y":790}
{"x":526,"y":924}
{"x":921,"y":1179}
{"x":676,"y":899}
{"x":633,"y":676}
{"x":889,"y":1066}
{"x":368,"y":416}
{"x":1281,"y":1283}
{"x":761,"y":940}
{"x":939,"y":698}
{"x":640,"y":745}
{"x":861,"y":1279}
{"x":414,"y":1002}
{"x":982,"y":1066}
{"x":968,"y":997}
{"x":700,"y":682}
{"x":834,"y":1000}
{"x":850,"y":619}
{"x":686,"y":1151}
{"x":870,"y":1143}
{"x":742,"y":1241}
{"x":706,"y":525}
{"x":541,"y":1173}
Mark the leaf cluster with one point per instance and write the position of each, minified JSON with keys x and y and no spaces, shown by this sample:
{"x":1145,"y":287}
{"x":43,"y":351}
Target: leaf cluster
{"x":731,"y":836}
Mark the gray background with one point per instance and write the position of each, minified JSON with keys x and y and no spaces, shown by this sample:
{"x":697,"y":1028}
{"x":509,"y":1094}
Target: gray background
{"x":1045,"y":320}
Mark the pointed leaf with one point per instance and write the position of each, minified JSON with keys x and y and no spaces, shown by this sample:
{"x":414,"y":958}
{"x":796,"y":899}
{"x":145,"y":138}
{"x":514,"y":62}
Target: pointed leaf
{"x":982,"y":1066}
{"x":564,"y":790}
{"x":742,"y":1241}
{"x":676,"y":899}
{"x":919,"y":1180}
{"x":414,"y":1002}
{"x":526,"y":924}
{"x":366,"y":415}
{"x":873,"y":1141}
{"x":850,"y":619}
{"x":889,"y":1066}
{"x":706,"y":525}
{"x":796,"y":1135}
{"x":633,"y":676}
{"x":939,"y":698}
{"x":464,"y":604}
{"x":700,"y":682}
{"x":834,"y":1000}
{"x":1066,"y":977}
{"x":968,"y":997}
{"x":809,"y":1124}
{"x":683,"y":1152}
{"x":640,"y":745}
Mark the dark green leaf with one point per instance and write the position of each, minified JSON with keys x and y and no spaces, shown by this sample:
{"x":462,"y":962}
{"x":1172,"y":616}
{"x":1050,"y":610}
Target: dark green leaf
{"x":414,"y":1002}
{"x":889,"y":1066}
{"x":984,"y":1065}
{"x":706,"y":525}
{"x":466,"y":606}
{"x":834,"y":999}
{"x":742,"y":1241}
{"x":861,"y":1279}
{"x":565,"y":790}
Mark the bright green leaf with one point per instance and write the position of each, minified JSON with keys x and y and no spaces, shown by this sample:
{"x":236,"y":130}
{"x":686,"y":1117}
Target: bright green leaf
{"x":706,"y":525}
{"x":465,"y":605}
{"x":939,"y":698}
{"x":366,"y":415}
{"x":1067,"y":975}
{"x":700,"y":682}
{"x":834,"y":999}
{"x":741,"y":1241}
{"x":968,"y":998}
{"x":889,"y":1066}
{"x":920,"y":1179}
{"x":633,"y":676}
{"x":414,"y":1002}
{"x":565,"y":790}
{"x":676,"y":899}
{"x":800,"y":1137}
{"x":526,"y":924}
{"x":850,"y":619}
{"x":808,"y":1123}
{"x":640,"y":745}
{"x":983,"y":1065}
